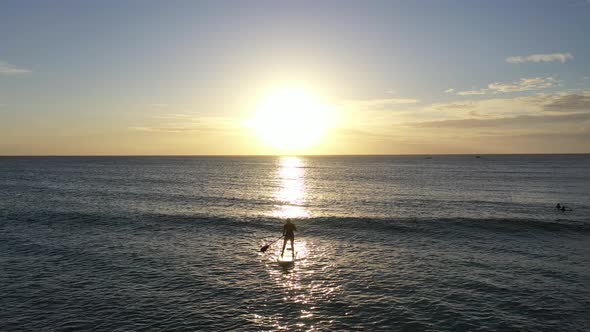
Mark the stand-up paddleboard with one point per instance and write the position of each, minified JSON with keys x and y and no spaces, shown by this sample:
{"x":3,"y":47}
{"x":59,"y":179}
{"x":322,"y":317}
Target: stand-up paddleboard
{"x":286,"y":259}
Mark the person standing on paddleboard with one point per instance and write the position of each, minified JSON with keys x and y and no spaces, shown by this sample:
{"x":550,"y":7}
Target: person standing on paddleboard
{"x":288,"y":233}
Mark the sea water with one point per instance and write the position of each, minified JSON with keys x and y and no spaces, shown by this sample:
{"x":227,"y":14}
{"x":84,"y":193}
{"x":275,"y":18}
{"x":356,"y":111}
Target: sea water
{"x":392,"y":243}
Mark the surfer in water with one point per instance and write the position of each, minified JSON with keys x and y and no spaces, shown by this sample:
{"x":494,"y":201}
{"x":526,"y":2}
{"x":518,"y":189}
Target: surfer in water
{"x":288,"y":233}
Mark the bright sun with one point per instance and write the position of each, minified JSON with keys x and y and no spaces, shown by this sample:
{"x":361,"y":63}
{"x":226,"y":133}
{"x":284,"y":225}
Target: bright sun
{"x":291,"y":119}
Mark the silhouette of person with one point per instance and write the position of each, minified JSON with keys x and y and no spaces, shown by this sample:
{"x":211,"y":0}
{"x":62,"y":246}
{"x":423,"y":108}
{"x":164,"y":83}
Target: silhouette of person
{"x":558,"y":206}
{"x":563,"y":208}
{"x":288,"y":230}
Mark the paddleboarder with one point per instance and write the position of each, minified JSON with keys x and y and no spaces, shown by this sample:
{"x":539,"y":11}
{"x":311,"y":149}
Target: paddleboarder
{"x":288,"y":234}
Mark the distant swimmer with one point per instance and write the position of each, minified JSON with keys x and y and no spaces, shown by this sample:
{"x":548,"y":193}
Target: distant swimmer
{"x":563,"y":208}
{"x":288,"y":233}
{"x":558,"y":206}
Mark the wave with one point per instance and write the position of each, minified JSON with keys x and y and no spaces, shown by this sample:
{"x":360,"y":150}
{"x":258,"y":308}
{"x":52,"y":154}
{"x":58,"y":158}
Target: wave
{"x":320,"y":225}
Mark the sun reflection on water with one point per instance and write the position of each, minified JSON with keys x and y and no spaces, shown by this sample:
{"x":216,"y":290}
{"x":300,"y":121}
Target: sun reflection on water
{"x":297,"y":281}
{"x":290,"y":196}
{"x":301,"y":289}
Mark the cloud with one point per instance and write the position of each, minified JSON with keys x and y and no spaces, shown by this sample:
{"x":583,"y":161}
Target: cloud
{"x":571,"y":109}
{"x":9,"y":69}
{"x":581,"y":135}
{"x":569,"y":103}
{"x":499,"y":123}
{"x":520,"y":121}
{"x":561,"y":57}
{"x":455,"y":106}
{"x":491,"y":108}
{"x":450,"y":90}
{"x":473,"y":92}
{"x":182,"y":123}
{"x":364,"y":133}
{"x":524,"y":84}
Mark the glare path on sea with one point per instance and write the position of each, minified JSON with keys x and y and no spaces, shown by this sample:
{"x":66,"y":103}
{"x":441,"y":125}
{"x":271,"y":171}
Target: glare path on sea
{"x":290,"y":196}
{"x":303,"y":284}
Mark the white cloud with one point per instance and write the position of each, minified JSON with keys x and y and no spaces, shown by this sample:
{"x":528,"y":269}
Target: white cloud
{"x":473,"y":92}
{"x":524,"y":84}
{"x":561,"y":57}
{"x":450,"y":90}
{"x":9,"y":69}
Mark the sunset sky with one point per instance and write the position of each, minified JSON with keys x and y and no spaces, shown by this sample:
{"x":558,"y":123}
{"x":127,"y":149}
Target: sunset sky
{"x":294,"y":77}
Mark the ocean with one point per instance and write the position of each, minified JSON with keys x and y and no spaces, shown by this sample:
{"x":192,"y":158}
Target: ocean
{"x":383,"y":243}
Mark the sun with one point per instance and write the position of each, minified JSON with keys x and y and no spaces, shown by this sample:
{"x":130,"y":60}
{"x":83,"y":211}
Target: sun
{"x":291,"y":119}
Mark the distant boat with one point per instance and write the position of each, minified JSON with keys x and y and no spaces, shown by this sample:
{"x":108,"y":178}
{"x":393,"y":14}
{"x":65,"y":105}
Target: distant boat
{"x":477,"y":157}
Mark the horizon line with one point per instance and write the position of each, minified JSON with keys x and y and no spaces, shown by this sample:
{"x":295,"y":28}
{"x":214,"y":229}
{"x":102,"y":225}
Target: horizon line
{"x":293,"y":155}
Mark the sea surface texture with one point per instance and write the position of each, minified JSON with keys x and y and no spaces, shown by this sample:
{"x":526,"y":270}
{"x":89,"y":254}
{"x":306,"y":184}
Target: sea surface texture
{"x":384,"y":243}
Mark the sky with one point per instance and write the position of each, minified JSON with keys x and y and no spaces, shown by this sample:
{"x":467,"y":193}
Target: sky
{"x":386,"y":77}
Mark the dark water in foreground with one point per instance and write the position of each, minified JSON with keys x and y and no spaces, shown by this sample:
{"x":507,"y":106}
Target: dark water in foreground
{"x":384,"y":243}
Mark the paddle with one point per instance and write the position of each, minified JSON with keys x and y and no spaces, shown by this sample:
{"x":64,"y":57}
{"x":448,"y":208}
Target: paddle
{"x":265,"y":247}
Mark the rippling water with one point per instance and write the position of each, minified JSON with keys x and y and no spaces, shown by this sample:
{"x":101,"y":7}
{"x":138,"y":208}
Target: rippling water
{"x":383,"y":243}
